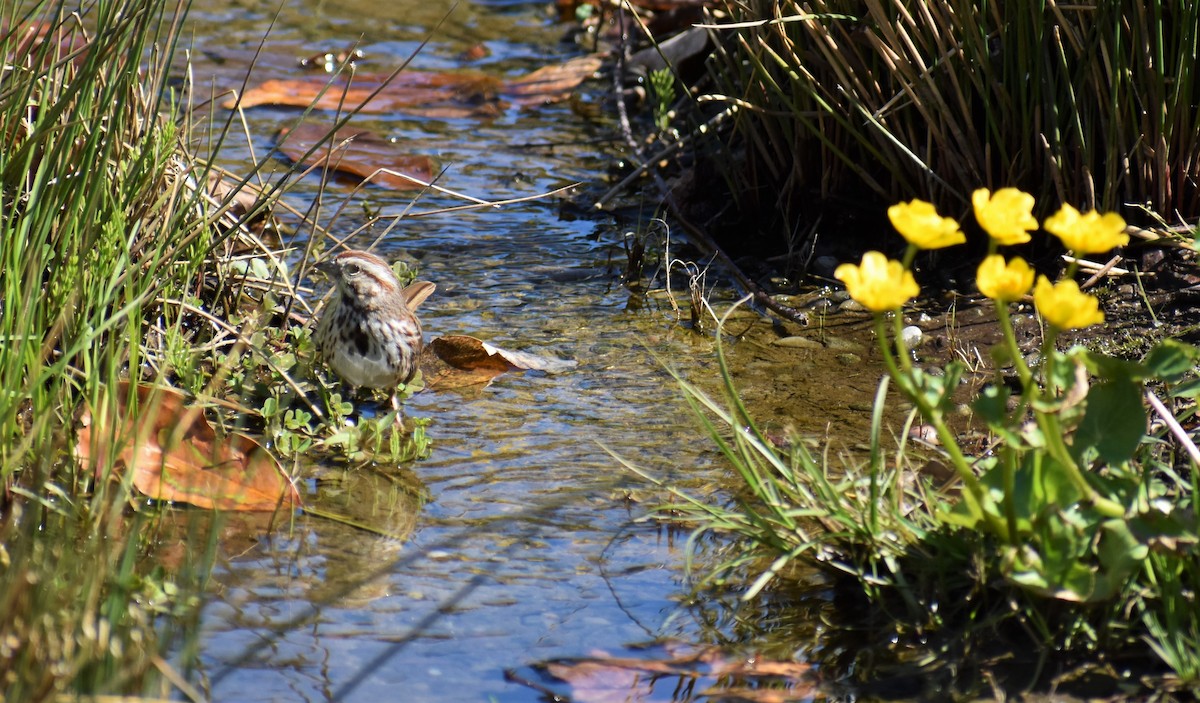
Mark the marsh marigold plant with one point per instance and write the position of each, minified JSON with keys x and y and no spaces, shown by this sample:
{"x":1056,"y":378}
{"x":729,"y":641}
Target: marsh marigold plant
{"x":920,"y":224}
{"x":1087,"y":233}
{"x":1004,"y":281}
{"x":882,"y":286}
{"x":878,"y":283}
{"x":1006,"y":215}
{"x":1063,"y":305}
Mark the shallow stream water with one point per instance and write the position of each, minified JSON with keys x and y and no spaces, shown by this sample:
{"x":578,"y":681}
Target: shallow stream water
{"x":519,"y":537}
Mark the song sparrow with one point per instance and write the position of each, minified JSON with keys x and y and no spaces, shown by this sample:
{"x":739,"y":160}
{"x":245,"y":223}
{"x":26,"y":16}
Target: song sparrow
{"x":368,"y":334}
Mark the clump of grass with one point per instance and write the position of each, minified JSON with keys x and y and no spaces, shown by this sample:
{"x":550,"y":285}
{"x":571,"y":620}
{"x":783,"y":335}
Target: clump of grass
{"x":886,"y":97}
{"x":101,"y":228}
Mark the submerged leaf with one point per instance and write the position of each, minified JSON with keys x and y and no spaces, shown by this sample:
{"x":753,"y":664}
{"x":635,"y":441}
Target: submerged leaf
{"x":445,"y":95}
{"x":552,"y":83}
{"x":357,"y":152}
{"x":720,"y":674}
{"x":174,"y":454}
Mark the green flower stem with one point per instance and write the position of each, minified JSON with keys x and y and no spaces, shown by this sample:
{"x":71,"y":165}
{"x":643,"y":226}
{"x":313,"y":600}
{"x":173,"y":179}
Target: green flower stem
{"x":1008,"y":457}
{"x":1053,"y":434}
{"x":1014,"y":351}
{"x":975,"y":494}
{"x":897,"y":328}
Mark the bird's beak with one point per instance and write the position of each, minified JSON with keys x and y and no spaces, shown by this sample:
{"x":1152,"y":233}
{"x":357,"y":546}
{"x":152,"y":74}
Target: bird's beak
{"x":327,"y":267}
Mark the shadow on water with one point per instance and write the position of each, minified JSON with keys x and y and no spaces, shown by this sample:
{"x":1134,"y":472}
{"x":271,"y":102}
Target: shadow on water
{"x":515,"y":541}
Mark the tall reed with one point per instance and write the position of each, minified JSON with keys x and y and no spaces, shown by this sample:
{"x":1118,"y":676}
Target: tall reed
{"x":1091,"y":103}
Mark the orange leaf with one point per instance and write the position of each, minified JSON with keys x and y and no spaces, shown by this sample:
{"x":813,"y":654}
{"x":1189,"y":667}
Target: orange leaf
{"x":458,"y":360}
{"x":357,"y":152}
{"x":553,"y":83}
{"x":446,"y":95}
{"x":175,"y":454}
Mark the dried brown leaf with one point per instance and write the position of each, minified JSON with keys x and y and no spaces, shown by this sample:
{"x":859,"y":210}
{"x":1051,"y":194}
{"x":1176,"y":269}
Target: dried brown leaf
{"x":553,"y":83}
{"x":445,"y":95}
{"x":176,"y":455}
{"x":457,"y":360}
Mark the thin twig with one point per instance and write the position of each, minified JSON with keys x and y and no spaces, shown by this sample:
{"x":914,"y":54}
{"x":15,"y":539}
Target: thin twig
{"x":1101,"y":270}
{"x":1177,"y":430}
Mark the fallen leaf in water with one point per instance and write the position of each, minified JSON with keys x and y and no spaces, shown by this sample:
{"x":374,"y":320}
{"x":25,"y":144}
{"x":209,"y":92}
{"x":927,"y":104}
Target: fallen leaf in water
{"x":445,"y":95}
{"x":175,"y":455}
{"x":606,"y":679}
{"x":177,"y":532}
{"x":553,"y":83}
{"x":597,"y":682}
{"x":358,"y":152}
{"x":454,"y":361}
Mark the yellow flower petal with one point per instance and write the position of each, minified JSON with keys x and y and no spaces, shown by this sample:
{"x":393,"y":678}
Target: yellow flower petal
{"x":878,"y":283}
{"x":919,"y":223}
{"x":1088,"y":233}
{"x":1065,"y":306}
{"x":1004,"y":282}
{"x":1006,"y":215}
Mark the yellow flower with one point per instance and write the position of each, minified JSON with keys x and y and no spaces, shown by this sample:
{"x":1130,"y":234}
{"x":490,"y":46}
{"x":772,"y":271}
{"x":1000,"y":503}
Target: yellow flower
{"x":1004,"y":282}
{"x":919,"y":223}
{"x":1089,"y":233}
{"x":878,"y":284}
{"x":1064,"y":306}
{"x":1006,"y":215}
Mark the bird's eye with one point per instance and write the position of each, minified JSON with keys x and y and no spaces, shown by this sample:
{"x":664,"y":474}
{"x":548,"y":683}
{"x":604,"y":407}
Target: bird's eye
{"x":353,"y":270}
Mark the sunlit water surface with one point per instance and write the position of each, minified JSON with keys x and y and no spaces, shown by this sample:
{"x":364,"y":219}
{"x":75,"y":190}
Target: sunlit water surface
{"x":520,"y":539}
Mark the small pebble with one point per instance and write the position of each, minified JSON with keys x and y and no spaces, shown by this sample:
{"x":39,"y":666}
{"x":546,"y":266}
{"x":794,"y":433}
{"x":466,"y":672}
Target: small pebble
{"x":911,"y":336}
{"x":852,"y":306}
{"x":797,"y":343}
{"x":849,"y":359}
